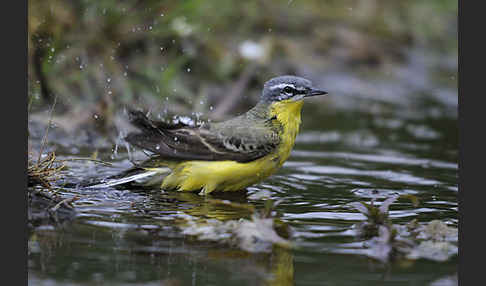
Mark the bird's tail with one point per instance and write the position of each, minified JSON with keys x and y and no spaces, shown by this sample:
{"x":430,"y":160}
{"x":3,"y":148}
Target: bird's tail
{"x":138,"y":176}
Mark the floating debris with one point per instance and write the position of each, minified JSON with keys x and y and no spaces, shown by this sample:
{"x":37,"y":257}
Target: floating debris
{"x":433,"y":250}
{"x":437,"y":230}
{"x":388,"y":242}
{"x":44,"y":171}
{"x":255,"y":235}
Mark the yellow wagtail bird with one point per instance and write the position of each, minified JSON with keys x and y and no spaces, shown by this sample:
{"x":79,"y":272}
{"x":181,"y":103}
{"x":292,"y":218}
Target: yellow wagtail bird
{"x":225,"y":156}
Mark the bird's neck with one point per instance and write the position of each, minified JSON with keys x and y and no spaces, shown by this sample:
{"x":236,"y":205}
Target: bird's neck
{"x":287,"y":113}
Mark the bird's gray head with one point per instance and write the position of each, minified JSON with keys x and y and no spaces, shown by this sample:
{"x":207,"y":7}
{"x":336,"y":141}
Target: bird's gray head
{"x":288,"y":88}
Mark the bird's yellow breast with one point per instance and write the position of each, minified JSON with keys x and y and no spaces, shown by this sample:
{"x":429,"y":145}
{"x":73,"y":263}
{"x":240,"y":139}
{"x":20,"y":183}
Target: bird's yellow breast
{"x":231,"y":175}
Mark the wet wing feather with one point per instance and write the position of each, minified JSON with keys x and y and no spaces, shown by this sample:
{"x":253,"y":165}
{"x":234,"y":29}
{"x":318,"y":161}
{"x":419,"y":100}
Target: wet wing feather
{"x":184,"y":142}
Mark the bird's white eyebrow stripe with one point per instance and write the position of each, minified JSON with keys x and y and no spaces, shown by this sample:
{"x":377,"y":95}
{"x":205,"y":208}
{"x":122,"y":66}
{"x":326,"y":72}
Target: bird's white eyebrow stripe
{"x":282,"y":85}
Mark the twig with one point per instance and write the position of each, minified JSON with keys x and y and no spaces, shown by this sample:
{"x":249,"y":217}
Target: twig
{"x":87,"y":159}
{"x":64,"y":202}
{"x":44,"y":139}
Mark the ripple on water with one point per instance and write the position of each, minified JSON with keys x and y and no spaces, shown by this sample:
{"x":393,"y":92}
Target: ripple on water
{"x":385,"y":175}
{"x":345,"y":216}
{"x":378,"y":193}
{"x":112,"y":225}
{"x":391,"y":158}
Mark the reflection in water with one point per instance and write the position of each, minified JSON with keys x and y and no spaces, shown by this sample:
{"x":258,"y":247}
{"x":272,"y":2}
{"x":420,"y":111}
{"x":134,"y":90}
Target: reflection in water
{"x":282,"y":267}
{"x":139,"y":248}
{"x":215,"y":206}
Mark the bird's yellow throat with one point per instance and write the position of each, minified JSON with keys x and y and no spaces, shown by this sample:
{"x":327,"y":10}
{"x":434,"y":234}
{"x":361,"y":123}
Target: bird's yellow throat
{"x":208,"y":176}
{"x":288,"y":114}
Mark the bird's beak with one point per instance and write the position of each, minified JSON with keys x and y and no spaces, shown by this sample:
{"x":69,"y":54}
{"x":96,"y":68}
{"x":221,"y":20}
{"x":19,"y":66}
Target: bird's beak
{"x":314,"y":92}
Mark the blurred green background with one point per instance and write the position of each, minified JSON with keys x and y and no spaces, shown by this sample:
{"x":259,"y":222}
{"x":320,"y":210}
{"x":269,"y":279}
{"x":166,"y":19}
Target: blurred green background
{"x":211,"y":58}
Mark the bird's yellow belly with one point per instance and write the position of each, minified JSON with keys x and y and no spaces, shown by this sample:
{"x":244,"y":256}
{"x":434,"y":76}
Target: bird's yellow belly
{"x":219,"y":175}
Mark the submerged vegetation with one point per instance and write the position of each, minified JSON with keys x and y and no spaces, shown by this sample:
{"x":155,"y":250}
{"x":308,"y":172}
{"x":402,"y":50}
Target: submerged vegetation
{"x":390,"y":243}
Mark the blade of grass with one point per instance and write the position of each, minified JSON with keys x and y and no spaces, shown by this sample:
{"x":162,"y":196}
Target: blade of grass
{"x":44,"y":139}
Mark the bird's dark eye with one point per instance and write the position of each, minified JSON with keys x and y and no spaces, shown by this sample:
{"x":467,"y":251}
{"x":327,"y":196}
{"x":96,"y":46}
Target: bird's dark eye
{"x":288,"y":89}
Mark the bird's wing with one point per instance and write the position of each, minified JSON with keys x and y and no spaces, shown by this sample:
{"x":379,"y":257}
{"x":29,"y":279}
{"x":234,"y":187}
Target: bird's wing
{"x":231,"y":140}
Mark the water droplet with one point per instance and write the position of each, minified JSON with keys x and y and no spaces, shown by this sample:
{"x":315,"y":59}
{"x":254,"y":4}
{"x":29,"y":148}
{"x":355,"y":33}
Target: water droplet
{"x":115,"y":151}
